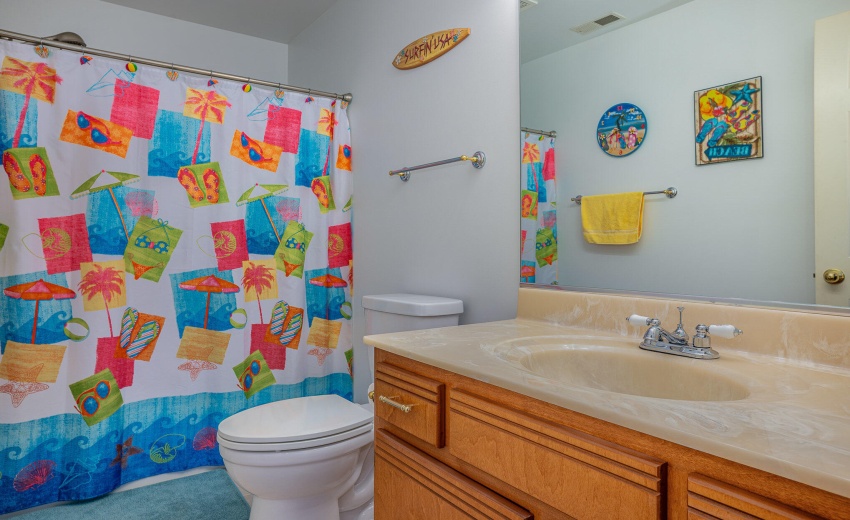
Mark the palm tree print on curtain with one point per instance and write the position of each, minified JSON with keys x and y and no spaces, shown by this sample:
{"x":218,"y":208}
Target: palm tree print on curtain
{"x":105,"y":283}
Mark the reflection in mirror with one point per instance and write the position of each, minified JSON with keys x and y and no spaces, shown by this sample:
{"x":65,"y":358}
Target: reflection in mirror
{"x":538,"y":208}
{"x":741,"y":229}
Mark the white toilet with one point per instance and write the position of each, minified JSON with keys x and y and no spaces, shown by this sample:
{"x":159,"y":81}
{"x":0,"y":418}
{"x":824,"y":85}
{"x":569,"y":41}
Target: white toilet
{"x":312,"y":457}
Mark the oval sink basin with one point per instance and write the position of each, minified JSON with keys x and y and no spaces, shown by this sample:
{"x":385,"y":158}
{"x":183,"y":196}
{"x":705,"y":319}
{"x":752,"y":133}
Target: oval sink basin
{"x":633,"y":372}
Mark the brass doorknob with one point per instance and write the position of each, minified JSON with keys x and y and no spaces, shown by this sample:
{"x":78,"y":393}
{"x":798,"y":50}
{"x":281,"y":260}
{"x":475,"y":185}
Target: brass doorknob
{"x":833,"y":276}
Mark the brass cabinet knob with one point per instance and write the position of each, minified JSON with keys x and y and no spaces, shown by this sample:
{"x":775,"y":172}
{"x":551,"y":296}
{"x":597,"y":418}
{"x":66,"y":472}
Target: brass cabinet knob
{"x":833,"y":276}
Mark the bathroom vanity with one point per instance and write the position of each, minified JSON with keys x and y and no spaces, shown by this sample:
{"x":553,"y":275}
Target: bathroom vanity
{"x":540,"y":417}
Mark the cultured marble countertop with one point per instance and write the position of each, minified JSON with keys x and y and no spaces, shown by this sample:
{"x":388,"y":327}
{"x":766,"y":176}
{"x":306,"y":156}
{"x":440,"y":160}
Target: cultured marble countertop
{"x":794,"y":423}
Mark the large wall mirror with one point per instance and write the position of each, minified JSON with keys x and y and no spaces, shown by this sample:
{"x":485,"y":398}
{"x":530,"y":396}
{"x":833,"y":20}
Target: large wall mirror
{"x":758,"y":230}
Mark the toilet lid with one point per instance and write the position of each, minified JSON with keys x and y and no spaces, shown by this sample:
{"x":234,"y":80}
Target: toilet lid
{"x":292,"y":420}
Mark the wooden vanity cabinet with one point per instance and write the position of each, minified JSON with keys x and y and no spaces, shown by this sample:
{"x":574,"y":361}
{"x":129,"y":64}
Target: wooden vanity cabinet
{"x":467,"y":449}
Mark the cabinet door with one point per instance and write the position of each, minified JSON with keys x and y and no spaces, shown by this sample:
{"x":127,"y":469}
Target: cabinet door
{"x":410,"y":485}
{"x":410,"y":402}
{"x":580,"y":475}
{"x":710,"y":499}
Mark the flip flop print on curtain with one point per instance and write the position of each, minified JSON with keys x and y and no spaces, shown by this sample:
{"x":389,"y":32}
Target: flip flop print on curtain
{"x":139,"y":333}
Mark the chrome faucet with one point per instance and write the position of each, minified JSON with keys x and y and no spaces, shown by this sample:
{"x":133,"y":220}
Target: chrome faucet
{"x":657,"y":339}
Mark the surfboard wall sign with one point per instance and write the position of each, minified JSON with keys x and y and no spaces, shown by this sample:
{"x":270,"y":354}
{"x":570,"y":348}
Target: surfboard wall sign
{"x":429,"y":48}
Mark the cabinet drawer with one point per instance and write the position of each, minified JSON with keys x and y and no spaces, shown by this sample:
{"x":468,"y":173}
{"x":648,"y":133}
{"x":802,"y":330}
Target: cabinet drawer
{"x":710,"y":499}
{"x":412,"y":403}
{"x":580,"y":475}
{"x":410,"y":485}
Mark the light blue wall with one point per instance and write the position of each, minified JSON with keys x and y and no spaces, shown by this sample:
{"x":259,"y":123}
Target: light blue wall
{"x":450,"y":231}
{"x":119,"y":29}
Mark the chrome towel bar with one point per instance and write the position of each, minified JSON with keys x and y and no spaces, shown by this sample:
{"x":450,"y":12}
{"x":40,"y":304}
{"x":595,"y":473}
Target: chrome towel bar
{"x":477,"y":159}
{"x":670,"y":192}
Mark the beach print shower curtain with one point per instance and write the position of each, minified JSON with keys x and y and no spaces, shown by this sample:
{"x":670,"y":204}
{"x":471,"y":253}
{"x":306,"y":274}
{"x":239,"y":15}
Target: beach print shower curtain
{"x":538,"y":211}
{"x":173,"y":249}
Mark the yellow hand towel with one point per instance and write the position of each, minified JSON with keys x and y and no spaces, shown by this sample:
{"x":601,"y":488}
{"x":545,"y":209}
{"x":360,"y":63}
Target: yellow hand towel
{"x":612,"y":219}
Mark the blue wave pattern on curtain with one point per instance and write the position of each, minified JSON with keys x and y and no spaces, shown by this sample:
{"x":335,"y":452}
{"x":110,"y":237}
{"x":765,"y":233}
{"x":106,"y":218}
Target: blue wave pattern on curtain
{"x":174,"y":250}
{"x":538,"y":211}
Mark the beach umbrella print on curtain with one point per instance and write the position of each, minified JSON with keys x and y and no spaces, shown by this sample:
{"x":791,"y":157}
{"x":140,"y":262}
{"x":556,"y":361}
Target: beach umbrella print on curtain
{"x":329,"y":281}
{"x":107,"y":181}
{"x":209,"y":284}
{"x":38,"y":291}
{"x":259,"y":192}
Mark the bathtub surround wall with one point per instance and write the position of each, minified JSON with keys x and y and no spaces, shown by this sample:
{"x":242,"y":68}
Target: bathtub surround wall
{"x":123,"y":30}
{"x":742,"y":229}
{"x":450,"y":231}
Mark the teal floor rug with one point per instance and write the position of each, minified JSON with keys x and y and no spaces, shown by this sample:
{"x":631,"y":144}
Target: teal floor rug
{"x":207,"y":496}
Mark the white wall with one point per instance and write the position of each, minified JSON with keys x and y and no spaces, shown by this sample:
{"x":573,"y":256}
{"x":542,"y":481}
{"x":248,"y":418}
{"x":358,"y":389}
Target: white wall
{"x":743,"y":229}
{"x":122,"y":30}
{"x":450,"y":231}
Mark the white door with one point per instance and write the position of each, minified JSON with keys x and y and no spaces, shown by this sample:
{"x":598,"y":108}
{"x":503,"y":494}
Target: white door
{"x":832,"y":158}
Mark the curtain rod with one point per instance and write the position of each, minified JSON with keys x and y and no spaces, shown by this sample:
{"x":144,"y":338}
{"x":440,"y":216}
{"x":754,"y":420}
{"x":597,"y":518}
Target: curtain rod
{"x":156,"y":63}
{"x":547,"y":133}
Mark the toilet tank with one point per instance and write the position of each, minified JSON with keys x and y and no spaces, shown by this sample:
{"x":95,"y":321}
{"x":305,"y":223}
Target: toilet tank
{"x":387,"y":313}
{"x":401,"y":312}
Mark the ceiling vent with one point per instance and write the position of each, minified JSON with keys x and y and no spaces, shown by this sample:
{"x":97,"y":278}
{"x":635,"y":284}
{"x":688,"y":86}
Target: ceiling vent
{"x":596,"y":24}
{"x":526,"y":4}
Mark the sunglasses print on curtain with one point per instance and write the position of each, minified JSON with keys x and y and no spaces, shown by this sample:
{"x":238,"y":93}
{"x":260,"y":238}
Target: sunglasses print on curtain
{"x":262,"y":155}
{"x":100,"y":134}
{"x":97,"y":396}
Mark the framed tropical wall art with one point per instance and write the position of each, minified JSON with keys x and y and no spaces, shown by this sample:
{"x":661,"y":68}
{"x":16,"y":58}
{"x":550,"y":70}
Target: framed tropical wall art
{"x":728,"y":122}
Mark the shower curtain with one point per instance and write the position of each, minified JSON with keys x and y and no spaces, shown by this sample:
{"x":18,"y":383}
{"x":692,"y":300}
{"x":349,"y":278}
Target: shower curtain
{"x":538,"y":211}
{"x":173,"y":249}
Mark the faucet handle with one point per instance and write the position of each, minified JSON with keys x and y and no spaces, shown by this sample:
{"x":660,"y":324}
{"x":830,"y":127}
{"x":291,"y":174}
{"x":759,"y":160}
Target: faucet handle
{"x":724,"y":331}
{"x":638,"y":320}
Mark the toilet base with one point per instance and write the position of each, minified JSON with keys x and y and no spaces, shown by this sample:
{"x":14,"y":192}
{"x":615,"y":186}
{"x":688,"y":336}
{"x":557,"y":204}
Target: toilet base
{"x":314,"y":508}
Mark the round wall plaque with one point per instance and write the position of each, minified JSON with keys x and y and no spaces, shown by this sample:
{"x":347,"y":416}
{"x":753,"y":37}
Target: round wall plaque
{"x":621,"y":130}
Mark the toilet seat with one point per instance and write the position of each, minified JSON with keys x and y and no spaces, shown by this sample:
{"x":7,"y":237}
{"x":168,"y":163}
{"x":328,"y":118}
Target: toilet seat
{"x":293,"y":424}
{"x":295,"y":445}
